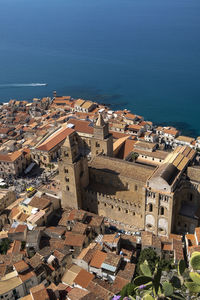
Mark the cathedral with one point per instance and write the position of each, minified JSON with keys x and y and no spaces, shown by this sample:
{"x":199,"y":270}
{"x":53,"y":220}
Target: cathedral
{"x":162,"y":199}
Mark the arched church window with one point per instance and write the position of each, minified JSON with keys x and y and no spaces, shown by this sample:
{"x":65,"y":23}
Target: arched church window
{"x":150,"y":207}
{"x":66,"y":153}
{"x":162,"y":210}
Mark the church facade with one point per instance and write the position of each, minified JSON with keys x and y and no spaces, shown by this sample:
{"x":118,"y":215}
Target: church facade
{"x":161,"y":199}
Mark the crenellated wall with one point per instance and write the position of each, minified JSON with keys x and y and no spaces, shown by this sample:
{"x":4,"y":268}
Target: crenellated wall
{"x":109,"y":206}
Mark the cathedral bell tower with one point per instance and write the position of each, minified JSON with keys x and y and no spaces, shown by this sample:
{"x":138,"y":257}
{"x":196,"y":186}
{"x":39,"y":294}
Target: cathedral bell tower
{"x":102,"y":141}
{"x":73,"y":172}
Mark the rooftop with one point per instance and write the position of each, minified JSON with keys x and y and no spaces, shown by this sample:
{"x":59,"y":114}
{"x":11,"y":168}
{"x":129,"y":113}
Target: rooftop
{"x":83,"y":278}
{"x":122,"y":168}
{"x":55,"y":139}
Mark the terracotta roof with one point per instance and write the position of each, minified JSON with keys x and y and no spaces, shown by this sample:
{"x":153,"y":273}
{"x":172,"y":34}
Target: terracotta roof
{"x":14,"y":212}
{"x":89,"y":255}
{"x":135,"y":127}
{"x":130,"y":116}
{"x":87,"y":104}
{"x":74,"y":239}
{"x":99,"y":290}
{"x":118,"y":284}
{"x":111,"y":238}
{"x":55,"y":230}
{"x":117,"y":135}
{"x":167,"y":247}
{"x":39,"y":203}
{"x":39,"y":292}
{"x":15,"y":248}
{"x":20,"y":228}
{"x":81,"y":126}
{"x":112,"y":259}
{"x":56,"y":243}
{"x":83,"y":278}
{"x":186,"y":139}
{"x":21,"y":266}
{"x":77,"y":294}
{"x":178,"y":249}
{"x":79,"y":228}
{"x":22,"y":217}
{"x":85,"y":250}
{"x":171,"y":131}
{"x":79,"y":102}
{"x":27,"y":275}
{"x":59,"y":255}
{"x":3,"y":268}
{"x":70,"y":274}
{"x":36,"y":260}
{"x":127,"y":272}
{"x":55,"y":139}
{"x":98,"y":259}
{"x":10,"y":157}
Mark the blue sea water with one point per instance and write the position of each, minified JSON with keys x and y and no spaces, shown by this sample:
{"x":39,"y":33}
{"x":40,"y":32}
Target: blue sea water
{"x":143,"y":55}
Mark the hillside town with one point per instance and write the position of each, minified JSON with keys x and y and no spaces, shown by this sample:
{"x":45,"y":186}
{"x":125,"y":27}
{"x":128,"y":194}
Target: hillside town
{"x":84,"y":190}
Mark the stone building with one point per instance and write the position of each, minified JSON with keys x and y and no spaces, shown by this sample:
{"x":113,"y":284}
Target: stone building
{"x":48,"y":150}
{"x":13,"y":164}
{"x":154,"y":198}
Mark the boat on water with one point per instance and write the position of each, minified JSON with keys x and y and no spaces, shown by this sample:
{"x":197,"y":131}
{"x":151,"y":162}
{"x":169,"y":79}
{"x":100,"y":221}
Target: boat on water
{"x":13,"y":85}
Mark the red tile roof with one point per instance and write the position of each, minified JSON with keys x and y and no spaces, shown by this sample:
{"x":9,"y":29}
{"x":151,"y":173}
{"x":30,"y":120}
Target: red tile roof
{"x":98,"y":259}
{"x":51,"y":142}
{"x":10,"y":157}
{"x":81,"y":126}
{"x":83,"y":278}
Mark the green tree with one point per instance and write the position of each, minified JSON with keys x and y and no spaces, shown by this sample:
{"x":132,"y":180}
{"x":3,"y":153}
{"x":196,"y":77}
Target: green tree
{"x":4,"y":246}
{"x":23,"y":245}
{"x":193,"y":284}
{"x":134,"y":156}
{"x":128,"y":290}
{"x":149,"y":285}
{"x":149,"y":255}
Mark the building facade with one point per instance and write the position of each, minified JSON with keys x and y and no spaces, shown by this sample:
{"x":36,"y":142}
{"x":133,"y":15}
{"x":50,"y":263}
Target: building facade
{"x":154,"y":198}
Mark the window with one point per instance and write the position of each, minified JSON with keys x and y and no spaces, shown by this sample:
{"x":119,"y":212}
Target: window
{"x":191,"y":197}
{"x":126,"y":211}
{"x":119,"y":208}
{"x":66,"y":179}
{"x":67,"y":188}
{"x":66,"y":170}
{"x":150,"y":207}
{"x":136,"y":188}
{"x":161,"y":229}
{"x":105,"y":204}
{"x":162,"y":210}
{"x":66,"y":153}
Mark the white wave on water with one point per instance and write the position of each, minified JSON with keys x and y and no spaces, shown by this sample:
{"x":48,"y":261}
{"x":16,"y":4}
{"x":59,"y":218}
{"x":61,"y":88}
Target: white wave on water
{"x":10,"y":85}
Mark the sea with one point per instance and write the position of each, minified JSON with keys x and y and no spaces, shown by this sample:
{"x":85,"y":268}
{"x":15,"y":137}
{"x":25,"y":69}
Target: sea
{"x":143,"y":55}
